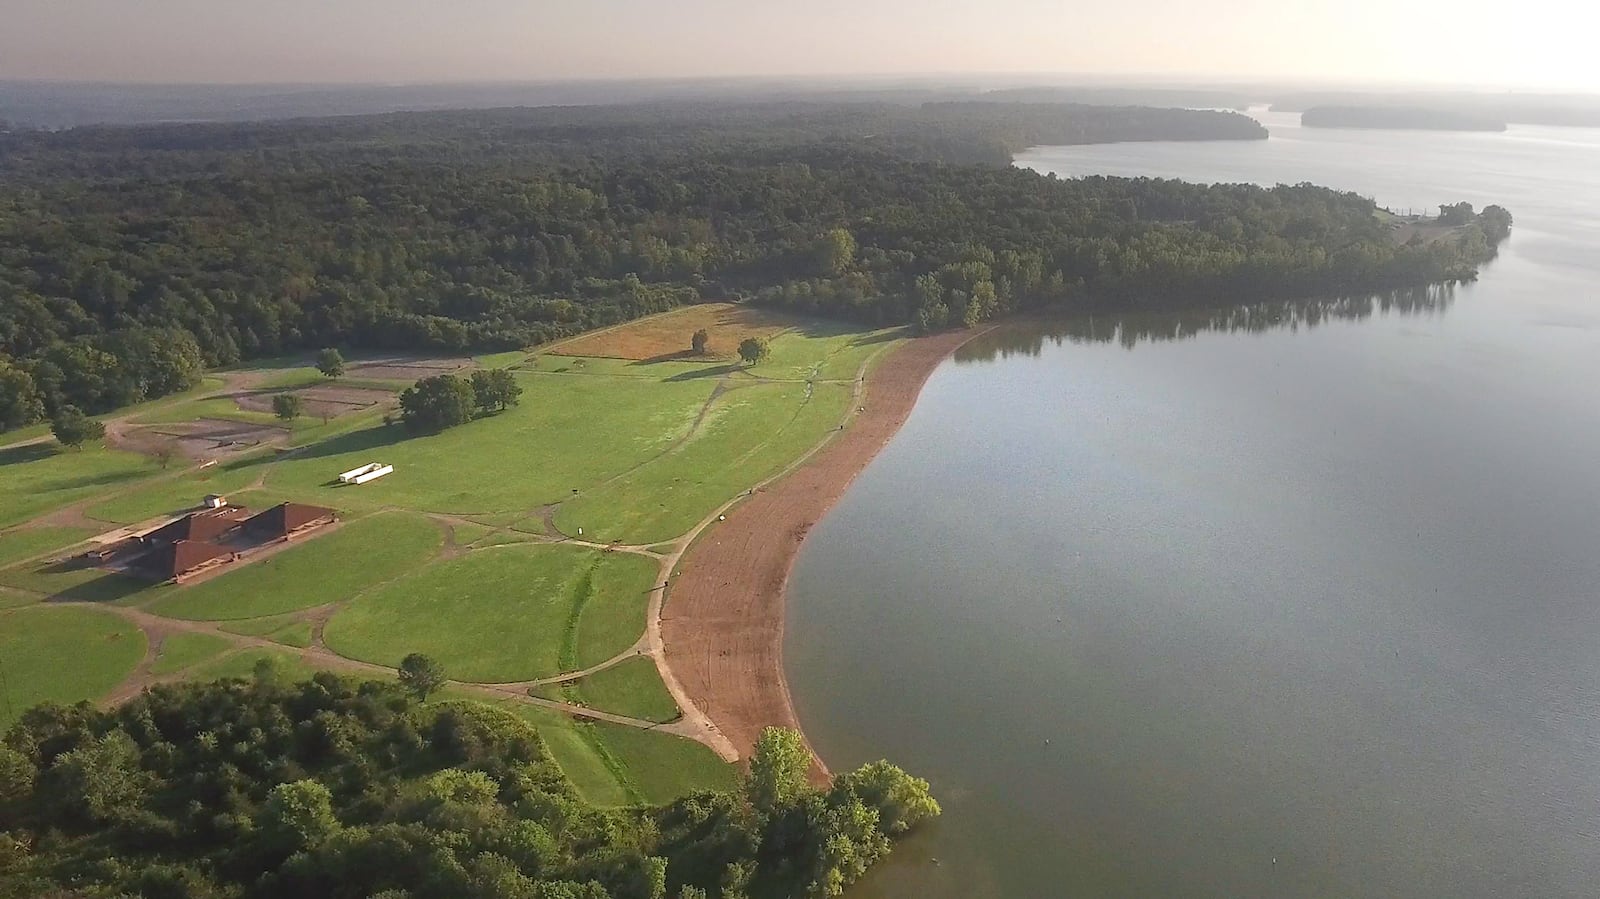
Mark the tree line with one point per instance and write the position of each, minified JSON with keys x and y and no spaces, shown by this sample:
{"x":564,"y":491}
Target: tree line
{"x":131,"y":258}
{"x":252,"y":788}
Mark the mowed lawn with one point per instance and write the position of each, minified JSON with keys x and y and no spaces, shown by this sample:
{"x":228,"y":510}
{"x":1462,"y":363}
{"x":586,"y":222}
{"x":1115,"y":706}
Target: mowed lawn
{"x":324,"y":568}
{"x":631,"y":688}
{"x":30,"y":542}
{"x":40,"y":477}
{"x":180,"y":651}
{"x":63,"y":655}
{"x":174,"y":493}
{"x":492,"y":616}
{"x":752,"y":433}
{"x":568,"y":433}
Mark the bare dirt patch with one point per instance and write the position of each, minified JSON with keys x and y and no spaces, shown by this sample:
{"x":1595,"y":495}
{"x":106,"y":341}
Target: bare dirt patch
{"x":722,"y":624}
{"x":405,"y":368}
{"x":206,"y":438}
{"x":668,"y":336}
{"x":321,"y":401}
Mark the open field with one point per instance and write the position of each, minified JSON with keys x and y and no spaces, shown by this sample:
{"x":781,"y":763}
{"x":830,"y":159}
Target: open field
{"x":180,"y":651}
{"x":30,"y":542}
{"x":63,"y":655}
{"x":493,"y":616}
{"x":669,"y":336}
{"x":631,"y":688}
{"x":469,"y":552}
{"x":325,"y":568}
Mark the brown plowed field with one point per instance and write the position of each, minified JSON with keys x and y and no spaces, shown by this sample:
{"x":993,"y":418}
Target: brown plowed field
{"x":668,"y":336}
{"x":723,"y":619}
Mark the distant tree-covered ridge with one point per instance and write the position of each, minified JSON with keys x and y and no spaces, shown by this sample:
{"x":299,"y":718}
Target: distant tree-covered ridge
{"x":1399,"y":118}
{"x":131,"y":258}
{"x":332,"y":789}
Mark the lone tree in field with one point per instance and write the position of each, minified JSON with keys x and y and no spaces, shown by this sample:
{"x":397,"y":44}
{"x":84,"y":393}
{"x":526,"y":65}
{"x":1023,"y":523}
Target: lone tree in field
{"x":421,"y":675}
{"x":495,"y":390}
{"x":164,"y":452}
{"x":436,"y":403}
{"x":697,"y":343}
{"x":287,"y":406}
{"x":73,"y":428}
{"x":330,"y":363}
{"x":754,"y":349}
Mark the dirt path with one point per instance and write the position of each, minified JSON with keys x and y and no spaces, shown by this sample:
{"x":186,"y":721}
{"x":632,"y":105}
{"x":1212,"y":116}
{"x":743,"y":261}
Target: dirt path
{"x":722,"y":631}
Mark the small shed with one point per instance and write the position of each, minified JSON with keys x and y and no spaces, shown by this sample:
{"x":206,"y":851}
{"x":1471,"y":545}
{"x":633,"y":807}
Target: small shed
{"x":214,"y":501}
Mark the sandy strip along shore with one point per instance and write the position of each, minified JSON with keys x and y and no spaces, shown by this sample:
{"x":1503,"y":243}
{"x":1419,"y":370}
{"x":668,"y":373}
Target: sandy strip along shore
{"x":722,"y":622}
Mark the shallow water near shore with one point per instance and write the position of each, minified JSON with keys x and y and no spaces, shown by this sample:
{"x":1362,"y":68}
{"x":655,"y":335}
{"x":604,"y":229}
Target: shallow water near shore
{"x":1303,"y":602}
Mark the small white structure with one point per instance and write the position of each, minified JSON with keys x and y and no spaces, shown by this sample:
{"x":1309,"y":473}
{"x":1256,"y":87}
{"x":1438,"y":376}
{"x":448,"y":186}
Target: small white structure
{"x":368,"y":472}
{"x":214,"y":501}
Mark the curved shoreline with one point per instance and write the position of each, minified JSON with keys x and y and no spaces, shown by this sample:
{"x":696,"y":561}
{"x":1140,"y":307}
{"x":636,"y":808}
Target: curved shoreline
{"x":722,"y":623}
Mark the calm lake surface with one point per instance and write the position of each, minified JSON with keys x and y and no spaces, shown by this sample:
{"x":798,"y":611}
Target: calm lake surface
{"x":1304,"y":608}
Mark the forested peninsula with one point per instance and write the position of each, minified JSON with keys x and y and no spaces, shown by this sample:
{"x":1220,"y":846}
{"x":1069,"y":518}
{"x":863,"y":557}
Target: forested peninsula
{"x":132,"y":258}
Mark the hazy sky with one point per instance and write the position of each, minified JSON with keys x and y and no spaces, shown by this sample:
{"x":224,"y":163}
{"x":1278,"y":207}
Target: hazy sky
{"x":1531,"y":43}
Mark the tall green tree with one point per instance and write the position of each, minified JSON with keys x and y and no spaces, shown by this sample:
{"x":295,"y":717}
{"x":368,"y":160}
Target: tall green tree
{"x":21,"y":404}
{"x":298,"y":815}
{"x":836,"y":251}
{"x":73,"y":428}
{"x":698,"y":342}
{"x":754,"y":349}
{"x":495,"y":389}
{"x":331,"y":363}
{"x":287,"y":406}
{"x":420,"y":675}
{"x":437,"y":403}
{"x":778,"y":769}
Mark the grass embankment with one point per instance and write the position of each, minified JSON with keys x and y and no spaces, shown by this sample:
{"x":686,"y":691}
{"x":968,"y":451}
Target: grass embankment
{"x":36,"y":478}
{"x":180,"y":651}
{"x":16,"y":546}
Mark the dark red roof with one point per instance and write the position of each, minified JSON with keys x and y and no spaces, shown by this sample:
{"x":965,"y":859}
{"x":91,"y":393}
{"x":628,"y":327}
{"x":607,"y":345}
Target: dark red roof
{"x":198,"y":526}
{"x":180,"y":558}
{"x":286,"y":518}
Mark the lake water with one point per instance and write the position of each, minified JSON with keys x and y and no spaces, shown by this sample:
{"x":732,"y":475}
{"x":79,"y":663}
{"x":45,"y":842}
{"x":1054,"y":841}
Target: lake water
{"x":1304,"y":603}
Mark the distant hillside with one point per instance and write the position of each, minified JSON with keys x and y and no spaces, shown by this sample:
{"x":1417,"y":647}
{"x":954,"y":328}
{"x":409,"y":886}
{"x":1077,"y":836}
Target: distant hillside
{"x":1573,"y":110}
{"x":1397,"y":117}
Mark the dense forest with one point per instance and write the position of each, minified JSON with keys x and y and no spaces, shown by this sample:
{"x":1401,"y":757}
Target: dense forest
{"x":132,"y":257}
{"x":332,"y":789}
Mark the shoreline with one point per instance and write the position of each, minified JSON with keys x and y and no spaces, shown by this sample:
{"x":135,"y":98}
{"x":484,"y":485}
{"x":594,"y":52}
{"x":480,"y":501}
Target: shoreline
{"x":722,"y":622}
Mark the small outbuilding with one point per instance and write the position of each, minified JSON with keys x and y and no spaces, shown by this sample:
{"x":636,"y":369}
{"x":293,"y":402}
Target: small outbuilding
{"x":214,"y":501}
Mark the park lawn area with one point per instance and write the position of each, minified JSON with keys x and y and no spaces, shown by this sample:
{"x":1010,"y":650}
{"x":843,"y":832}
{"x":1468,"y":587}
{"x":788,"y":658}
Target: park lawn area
{"x":567,"y":433}
{"x":40,"y":477}
{"x":242,"y":664}
{"x":660,"y":768}
{"x":632,"y":688}
{"x":180,"y":651}
{"x":63,"y":655}
{"x":285,"y":629}
{"x":499,"y":539}
{"x":70,"y":582}
{"x":11,"y":598}
{"x":29,"y":542}
{"x":324,"y":568}
{"x":492,"y":616}
{"x":176,"y":494}
{"x":613,"y":616}
{"x":753,"y":432}
{"x":683,"y":369}
{"x":579,"y":758}
{"x":467,"y":533}
{"x":672,"y":333}
{"x":500,"y":360}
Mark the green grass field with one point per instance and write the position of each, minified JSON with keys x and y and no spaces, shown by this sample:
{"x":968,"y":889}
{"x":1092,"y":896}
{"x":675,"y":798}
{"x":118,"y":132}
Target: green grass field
{"x":567,"y":434}
{"x":630,"y":451}
{"x":322,"y":569}
{"x":63,"y":655}
{"x":26,"y":544}
{"x":751,"y":433}
{"x":180,"y":651}
{"x":36,"y":478}
{"x":632,"y":688}
{"x":492,"y":616}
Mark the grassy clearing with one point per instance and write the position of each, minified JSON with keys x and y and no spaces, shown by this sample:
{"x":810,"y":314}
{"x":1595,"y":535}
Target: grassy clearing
{"x":492,"y":616}
{"x":63,"y":655}
{"x":285,"y":629}
{"x":661,"y":767}
{"x":68,"y":581}
{"x":324,"y":569}
{"x":614,"y":615}
{"x":25,"y":544}
{"x":671,"y":334}
{"x":180,"y":651}
{"x":823,"y":351}
{"x":41,"y":477}
{"x":500,"y":360}
{"x":567,"y":433}
{"x":552,"y":364}
{"x":242,"y":664}
{"x":467,"y":533}
{"x":174,"y":494}
{"x":632,"y":688}
{"x":752,"y":433}
{"x":11,"y":598}
{"x":499,"y":539}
